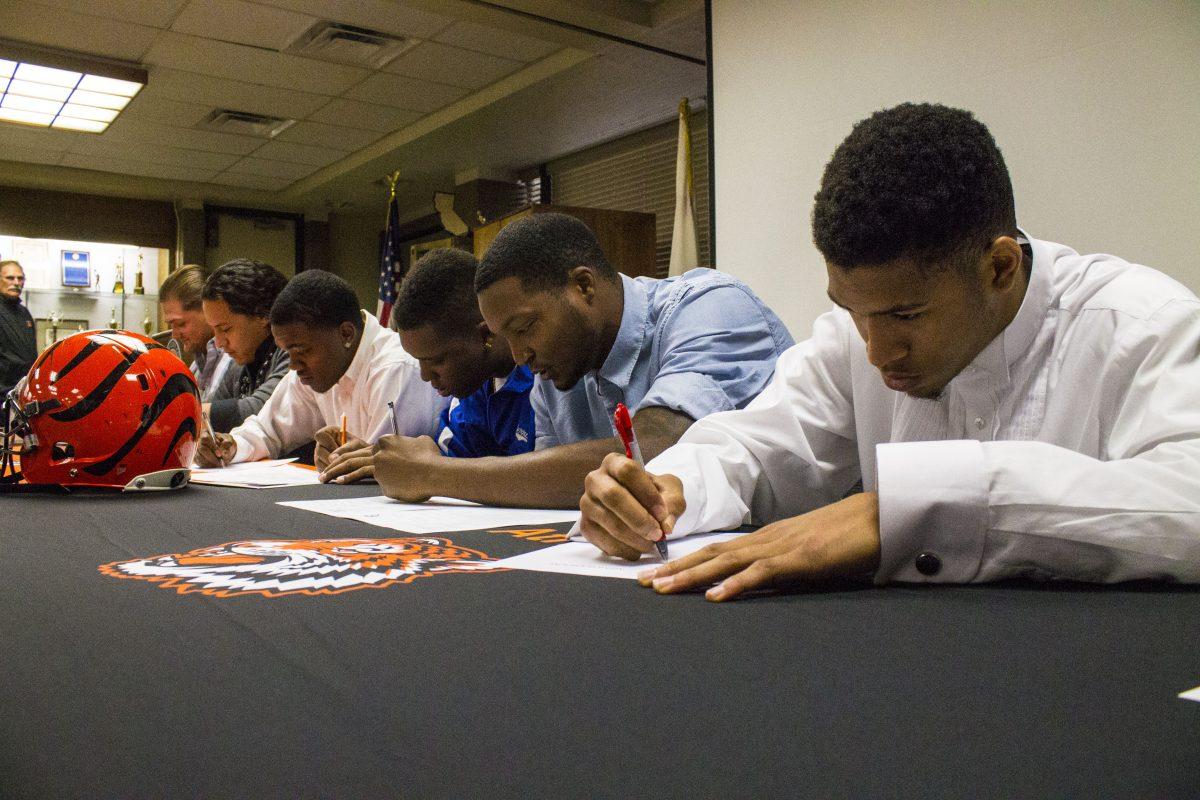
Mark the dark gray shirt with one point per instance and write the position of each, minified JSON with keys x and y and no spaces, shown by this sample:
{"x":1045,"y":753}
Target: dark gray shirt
{"x":247,"y":387}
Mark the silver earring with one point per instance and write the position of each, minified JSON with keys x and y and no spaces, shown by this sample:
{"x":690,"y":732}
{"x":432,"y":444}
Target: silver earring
{"x":346,"y":345}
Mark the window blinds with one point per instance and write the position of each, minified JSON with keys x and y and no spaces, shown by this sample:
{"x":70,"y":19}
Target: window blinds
{"x":637,"y":173}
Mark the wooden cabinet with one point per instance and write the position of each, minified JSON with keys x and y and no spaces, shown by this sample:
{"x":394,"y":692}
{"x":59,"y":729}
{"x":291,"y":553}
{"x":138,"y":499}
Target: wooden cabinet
{"x":626,"y":237}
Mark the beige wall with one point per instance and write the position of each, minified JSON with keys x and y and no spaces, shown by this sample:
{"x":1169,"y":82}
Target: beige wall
{"x":270,"y":240}
{"x":1096,"y":106}
{"x":354,"y":250}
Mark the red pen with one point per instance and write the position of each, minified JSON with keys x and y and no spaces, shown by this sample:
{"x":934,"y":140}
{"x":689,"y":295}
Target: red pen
{"x":624,"y":425}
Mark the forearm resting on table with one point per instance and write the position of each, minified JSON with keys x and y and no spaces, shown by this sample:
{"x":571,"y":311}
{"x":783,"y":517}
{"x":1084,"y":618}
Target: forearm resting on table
{"x":551,"y":478}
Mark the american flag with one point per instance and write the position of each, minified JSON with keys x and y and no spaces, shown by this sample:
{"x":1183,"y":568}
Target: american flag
{"x":389,"y":261}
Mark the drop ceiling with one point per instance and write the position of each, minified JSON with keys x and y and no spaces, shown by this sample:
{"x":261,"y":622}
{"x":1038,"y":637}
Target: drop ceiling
{"x":487,"y":88}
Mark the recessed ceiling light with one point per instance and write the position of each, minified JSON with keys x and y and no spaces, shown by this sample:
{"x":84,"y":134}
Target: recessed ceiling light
{"x":54,"y":89}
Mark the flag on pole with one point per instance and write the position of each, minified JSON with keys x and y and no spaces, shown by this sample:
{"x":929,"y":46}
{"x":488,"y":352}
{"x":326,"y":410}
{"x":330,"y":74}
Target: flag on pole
{"x":389,"y":256}
{"x":685,"y":253}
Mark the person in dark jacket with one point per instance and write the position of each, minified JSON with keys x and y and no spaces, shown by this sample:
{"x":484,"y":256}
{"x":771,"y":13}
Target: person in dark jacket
{"x":18,"y":341}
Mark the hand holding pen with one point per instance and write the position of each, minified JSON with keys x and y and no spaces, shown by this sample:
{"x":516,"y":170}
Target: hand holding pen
{"x":624,"y":426}
{"x":214,"y":449}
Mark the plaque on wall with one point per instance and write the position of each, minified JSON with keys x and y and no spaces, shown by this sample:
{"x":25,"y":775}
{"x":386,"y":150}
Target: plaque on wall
{"x":76,"y":268}
{"x":48,"y":332}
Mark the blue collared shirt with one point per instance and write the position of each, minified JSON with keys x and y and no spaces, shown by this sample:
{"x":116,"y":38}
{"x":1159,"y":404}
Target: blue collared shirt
{"x":698,"y":343}
{"x":490,"y":422}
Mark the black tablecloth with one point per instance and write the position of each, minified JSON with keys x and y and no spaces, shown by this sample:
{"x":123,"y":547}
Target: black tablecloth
{"x":519,"y":684}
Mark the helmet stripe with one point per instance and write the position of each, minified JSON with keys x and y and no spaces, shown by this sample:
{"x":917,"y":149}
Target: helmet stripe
{"x":95,"y":397}
{"x":177,"y":384}
{"x":46,"y":353}
{"x":188,"y":426}
{"x":79,"y":358}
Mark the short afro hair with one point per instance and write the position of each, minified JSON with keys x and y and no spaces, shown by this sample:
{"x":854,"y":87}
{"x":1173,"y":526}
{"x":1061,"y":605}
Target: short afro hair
{"x":247,"y":287}
{"x":920,"y":181}
{"x":541,"y":250}
{"x":439,"y":291}
{"x":317,"y":299}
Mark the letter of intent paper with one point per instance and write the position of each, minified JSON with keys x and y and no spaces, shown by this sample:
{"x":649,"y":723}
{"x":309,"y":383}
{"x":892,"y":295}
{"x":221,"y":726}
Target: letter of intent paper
{"x":582,"y":558}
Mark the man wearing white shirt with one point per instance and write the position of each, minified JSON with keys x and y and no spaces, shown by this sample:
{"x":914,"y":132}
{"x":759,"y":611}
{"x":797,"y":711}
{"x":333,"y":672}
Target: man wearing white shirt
{"x":343,"y":362}
{"x":1011,"y":408}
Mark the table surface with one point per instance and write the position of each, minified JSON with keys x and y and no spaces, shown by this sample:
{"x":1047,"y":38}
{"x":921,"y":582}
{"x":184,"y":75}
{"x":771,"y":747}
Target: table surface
{"x":518,"y":684}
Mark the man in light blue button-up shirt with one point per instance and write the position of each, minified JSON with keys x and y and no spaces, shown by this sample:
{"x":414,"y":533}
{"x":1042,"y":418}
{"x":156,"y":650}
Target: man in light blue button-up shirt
{"x":695,"y":344}
{"x":672,"y":350}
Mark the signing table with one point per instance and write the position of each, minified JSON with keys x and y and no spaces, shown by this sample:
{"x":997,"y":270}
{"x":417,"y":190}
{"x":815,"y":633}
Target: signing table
{"x":298,"y":668}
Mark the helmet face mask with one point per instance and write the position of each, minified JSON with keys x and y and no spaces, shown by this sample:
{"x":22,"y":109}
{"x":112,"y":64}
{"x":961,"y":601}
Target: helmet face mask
{"x":13,"y":428}
{"x":104,"y":409}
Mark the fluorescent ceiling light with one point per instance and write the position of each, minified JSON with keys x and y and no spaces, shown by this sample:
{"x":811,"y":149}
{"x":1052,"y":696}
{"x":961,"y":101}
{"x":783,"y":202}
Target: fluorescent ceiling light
{"x":87,"y":112}
{"x":31,"y":89}
{"x":94,"y":83}
{"x":53,"y":89}
{"x":47,"y":75}
{"x":73,"y":124}
{"x":26,"y":117}
{"x":99,"y":100}
{"x":50,"y":107}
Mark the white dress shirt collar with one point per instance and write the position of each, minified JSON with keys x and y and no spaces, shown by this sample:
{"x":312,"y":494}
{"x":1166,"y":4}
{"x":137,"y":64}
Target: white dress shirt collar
{"x":994,"y":362}
{"x":360,"y":365}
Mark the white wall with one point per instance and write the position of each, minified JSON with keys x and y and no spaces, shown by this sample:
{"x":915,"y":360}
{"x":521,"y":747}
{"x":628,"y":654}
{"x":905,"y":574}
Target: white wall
{"x":80,"y":309}
{"x":1095,"y":105}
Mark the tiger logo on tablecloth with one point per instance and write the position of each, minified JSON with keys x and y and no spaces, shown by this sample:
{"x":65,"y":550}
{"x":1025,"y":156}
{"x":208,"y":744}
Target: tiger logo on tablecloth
{"x":281,"y":567}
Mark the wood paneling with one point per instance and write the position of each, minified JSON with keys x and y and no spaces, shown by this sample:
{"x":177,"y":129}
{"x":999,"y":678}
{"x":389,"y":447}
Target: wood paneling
{"x":626,"y":237}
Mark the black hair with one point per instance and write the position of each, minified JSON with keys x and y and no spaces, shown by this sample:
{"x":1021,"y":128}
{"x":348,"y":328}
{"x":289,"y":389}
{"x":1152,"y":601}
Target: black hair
{"x":541,"y":250}
{"x":439,"y":291}
{"x":317,"y":299}
{"x":920,"y":181}
{"x":247,"y":287}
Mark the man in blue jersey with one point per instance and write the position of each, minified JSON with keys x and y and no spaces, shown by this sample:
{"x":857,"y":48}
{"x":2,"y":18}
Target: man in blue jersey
{"x":440,"y":325}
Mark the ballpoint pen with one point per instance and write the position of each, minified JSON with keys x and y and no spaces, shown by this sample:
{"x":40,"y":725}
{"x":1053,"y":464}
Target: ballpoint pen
{"x":209,"y":430}
{"x":624,"y":425}
{"x":343,"y":437}
{"x":392,"y":414}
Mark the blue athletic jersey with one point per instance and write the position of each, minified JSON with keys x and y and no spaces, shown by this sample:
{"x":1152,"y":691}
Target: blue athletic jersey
{"x":490,"y":422}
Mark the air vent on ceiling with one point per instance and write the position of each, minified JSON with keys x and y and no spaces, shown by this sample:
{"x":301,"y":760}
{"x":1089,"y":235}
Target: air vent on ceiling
{"x":347,"y":44}
{"x":244,"y":123}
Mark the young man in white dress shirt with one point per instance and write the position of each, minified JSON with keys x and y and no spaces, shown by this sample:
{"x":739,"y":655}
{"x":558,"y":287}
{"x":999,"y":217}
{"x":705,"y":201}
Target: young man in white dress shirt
{"x":342,"y":362}
{"x":1012,"y":408}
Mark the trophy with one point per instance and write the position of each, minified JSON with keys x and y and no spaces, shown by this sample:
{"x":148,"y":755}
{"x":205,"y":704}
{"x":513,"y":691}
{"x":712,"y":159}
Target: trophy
{"x":52,"y":331}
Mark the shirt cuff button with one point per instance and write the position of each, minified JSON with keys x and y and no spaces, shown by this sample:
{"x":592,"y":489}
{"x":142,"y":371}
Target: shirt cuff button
{"x":928,"y":564}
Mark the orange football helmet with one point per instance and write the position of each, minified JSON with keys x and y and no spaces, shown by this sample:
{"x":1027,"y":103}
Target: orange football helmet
{"x":106,"y":409}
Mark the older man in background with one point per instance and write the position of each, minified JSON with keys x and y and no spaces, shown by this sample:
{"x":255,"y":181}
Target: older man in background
{"x":18,"y":341}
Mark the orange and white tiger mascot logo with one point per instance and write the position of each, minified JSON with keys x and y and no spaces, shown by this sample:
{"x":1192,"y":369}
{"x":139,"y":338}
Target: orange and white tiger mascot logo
{"x":275,"y":568}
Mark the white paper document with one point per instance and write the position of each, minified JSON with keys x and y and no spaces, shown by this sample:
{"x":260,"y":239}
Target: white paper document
{"x":256,"y":474}
{"x":1191,"y":694}
{"x":582,"y":558}
{"x":436,"y":516}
